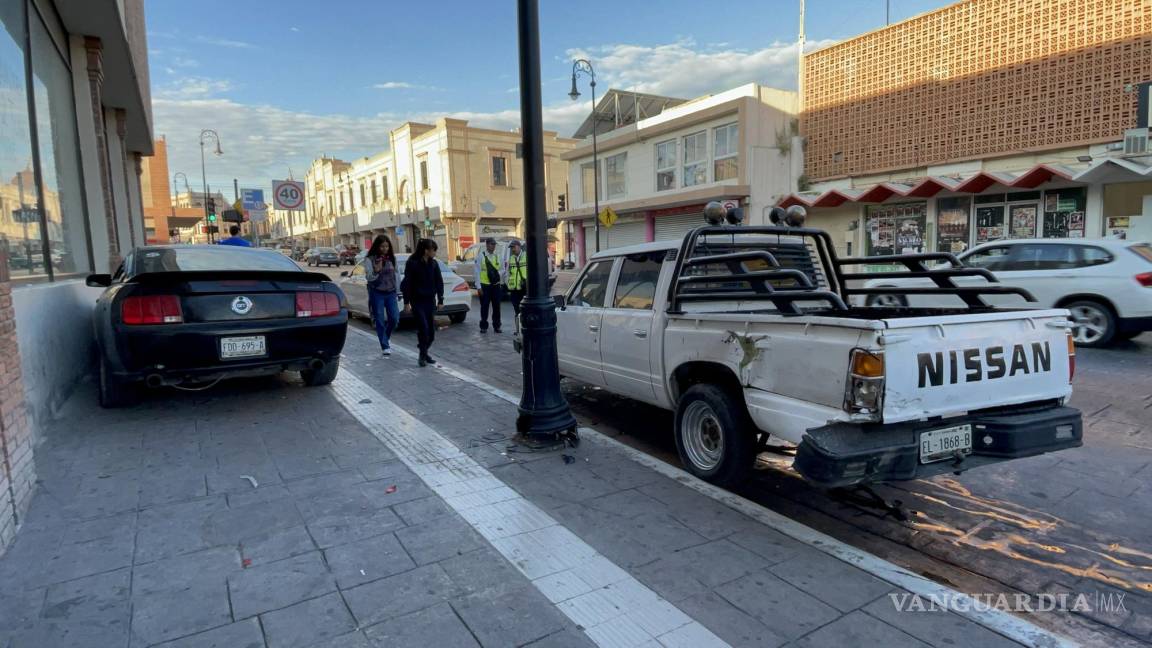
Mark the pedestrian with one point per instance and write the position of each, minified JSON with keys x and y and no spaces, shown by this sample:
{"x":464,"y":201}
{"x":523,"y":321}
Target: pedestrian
{"x":516,"y":277}
{"x":423,"y":288}
{"x":381,"y":276}
{"x":488,"y":282}
{"x":234,"y":239}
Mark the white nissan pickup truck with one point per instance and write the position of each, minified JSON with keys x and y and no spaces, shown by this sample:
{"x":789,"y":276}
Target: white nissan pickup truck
{"x":746,"y":332}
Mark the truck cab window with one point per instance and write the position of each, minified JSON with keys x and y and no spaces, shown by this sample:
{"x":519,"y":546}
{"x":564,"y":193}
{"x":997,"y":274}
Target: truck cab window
{"x":593,"y":287}
{"x":636,"y":287}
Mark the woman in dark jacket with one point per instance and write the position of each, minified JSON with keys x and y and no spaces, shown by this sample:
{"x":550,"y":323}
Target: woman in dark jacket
{"x":423,"y":289}
{"x":381,"y":274}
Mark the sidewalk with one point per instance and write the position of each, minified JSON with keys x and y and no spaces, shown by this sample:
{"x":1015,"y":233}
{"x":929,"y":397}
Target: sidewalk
{"x":388,"y":511}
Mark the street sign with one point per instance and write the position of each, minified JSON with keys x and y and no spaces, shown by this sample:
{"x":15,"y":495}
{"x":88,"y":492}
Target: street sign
{"x":231,"y":216}
{"x":427,"y":222}
{"x":288,"y":195}
{"x":399,"y":230}
{"x":257,"y":215}
{"x":608,"y":217}
{"x":730,"y":204}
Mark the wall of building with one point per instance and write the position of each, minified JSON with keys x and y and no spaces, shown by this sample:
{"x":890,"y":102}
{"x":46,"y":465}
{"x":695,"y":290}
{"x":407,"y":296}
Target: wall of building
{"x":156,"y":193}
{"x":975,"y":79}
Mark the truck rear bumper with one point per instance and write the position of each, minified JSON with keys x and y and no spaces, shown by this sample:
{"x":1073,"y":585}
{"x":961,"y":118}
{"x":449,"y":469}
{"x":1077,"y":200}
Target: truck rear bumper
{"x":848,"y":454}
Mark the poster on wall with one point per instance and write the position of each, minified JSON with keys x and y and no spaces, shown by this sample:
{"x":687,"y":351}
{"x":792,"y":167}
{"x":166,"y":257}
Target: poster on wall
{"x":896,"y":229}
{"x":1022,"y":221}
{"x":1118,"y":226}
{"x":1067,"y":220}
{"x":952,"y":224}
{"x":989,"y":223}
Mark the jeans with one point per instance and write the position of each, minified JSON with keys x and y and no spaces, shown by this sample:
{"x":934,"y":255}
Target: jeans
{"x":490,"y":297}
{"x":385,"y":314}
{"x":424,"y":311}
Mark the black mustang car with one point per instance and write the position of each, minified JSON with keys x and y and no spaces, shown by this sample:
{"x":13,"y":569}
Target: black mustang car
{"x":194,"y":314}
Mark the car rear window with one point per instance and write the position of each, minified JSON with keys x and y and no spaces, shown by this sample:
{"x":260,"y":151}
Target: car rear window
{"x":207,"y":257}
{"x":326,"y":250}
{"x":1143,"y":250}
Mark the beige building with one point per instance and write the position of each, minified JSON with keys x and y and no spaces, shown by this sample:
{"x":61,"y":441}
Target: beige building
{"x":450,"y":181}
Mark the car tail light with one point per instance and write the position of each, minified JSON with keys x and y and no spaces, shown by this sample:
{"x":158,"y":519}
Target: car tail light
{"x":317,"y":304}
{"x":151,"y":309}
{"x":864,"y":392}
{"x":1071,"y":358}
{"x":461,"y":287}
{"x":1144,"y":279}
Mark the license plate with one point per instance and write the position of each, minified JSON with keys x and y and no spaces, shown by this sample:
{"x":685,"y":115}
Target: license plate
{"x":242,"y":347}
{"x":938,"y":445}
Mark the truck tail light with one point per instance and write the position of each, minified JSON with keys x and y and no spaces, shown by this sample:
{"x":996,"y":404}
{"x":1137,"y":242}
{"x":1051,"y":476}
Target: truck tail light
{"x":462,"y":287}
{"x":864,"y":392}
{"x":151,"y":309}
{"x":1144,"y":279}
{"x":317,"y":304}
{"x":1071,"y":358}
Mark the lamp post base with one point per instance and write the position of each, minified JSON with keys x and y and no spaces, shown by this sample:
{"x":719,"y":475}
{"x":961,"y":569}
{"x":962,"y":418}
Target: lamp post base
{"x":544,"y":419}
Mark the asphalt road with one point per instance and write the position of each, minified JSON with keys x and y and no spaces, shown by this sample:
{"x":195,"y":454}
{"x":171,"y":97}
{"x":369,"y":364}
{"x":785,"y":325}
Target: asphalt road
{"x":1075,"y":522}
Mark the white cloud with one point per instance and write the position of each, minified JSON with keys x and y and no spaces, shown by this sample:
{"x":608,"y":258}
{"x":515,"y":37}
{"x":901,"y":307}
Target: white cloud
{"x":295,"y":29}
{"x":184,"y":62}
{"x":222,"y":42}
{"x":393,"y":85}
{"x":193,"y":87}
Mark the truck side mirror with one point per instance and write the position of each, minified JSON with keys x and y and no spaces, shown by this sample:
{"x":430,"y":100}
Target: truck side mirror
{"x":561,"y":301}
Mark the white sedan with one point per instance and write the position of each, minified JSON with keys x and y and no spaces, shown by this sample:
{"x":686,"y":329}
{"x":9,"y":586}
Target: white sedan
{"x":1106,"y":284}
{"x":457,"y":295}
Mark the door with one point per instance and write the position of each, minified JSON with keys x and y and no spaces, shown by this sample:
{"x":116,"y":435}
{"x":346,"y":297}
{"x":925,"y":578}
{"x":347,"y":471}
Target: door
{"x":627,"y":337}
{"x":1047,"y":270}
{"x":355,"y":287}
{"x":579,"y":324}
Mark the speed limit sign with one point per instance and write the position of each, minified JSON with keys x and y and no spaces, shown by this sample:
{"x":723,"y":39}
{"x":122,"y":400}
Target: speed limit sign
{"x":288,"y":195}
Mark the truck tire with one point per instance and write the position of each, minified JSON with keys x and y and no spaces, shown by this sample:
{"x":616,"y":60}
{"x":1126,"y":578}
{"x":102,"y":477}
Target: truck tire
{"x":715,"y":437}
{"x":1093,"y":324}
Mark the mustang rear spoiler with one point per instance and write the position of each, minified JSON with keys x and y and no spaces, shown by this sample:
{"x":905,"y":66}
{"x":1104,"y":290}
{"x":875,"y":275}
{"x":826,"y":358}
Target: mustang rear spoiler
{"x":228,"y":275}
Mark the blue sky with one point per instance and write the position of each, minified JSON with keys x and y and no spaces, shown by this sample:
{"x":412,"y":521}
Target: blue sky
{"x":288,"y":81}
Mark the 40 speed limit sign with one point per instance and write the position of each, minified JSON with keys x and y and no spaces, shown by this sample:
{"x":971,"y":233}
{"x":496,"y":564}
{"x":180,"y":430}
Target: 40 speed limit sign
{"x":288,"y":195}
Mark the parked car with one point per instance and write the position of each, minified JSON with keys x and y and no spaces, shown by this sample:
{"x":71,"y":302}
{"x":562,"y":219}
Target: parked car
{"x":285,"y":251}
{"x":301,"y":254}
{"x":323,"y":256}
{"x":457,"y":296}
{"x":348,"y":254}
{"x":1106,"y":284}
{"x":176,"y":315}
{"x":747,"y":333}
{"x":465,"y":264}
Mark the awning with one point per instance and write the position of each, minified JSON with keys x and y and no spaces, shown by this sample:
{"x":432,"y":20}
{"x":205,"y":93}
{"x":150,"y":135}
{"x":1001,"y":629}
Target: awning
{"x":1107,"y":170}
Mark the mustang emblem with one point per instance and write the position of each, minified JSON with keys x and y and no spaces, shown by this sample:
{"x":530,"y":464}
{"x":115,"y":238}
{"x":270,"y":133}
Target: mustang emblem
{"x":241,"y":305}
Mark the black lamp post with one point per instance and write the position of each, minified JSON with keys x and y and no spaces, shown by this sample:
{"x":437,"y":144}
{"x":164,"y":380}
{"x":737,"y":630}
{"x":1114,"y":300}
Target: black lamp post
{"x":584,"y":66}
{"x":544,"y":415}
{"x":176,"y":190}
{"x":207,"y":132}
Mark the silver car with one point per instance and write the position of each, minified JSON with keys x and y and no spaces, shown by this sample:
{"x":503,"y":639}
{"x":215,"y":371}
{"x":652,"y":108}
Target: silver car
{"x":465,"y":264}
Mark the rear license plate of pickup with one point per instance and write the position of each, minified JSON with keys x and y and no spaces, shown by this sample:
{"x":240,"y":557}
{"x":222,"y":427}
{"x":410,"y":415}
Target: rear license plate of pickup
{"x":938,"y":445}
{"x":242,"y":347}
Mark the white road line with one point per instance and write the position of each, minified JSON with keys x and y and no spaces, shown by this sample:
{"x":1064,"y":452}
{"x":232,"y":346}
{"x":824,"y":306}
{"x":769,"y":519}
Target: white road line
{"x":1000,"y":622}
{"x":613,"y":608}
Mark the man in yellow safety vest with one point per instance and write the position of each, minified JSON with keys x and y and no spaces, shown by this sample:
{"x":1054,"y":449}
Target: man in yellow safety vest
{"x":489,"y":282}
{"x":516,"y":277}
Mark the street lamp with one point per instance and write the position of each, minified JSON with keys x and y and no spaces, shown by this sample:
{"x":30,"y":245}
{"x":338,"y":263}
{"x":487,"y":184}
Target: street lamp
{"x":213,"y":135}
{"x":176,"y":191}
{"x":584,"y":66}
{"x":544,"y":417}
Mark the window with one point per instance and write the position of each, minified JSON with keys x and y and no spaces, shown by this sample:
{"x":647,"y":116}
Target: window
{"x":341,"y":202}
{"x":499,"y":171}
{"x":1043,"y":257}
{"x":363,"y":200}
{"x":210,"y":257}
{"x":384,"y":186}
{"x":993,"y":258}
{"x":696,"y":159}
{"x":666,"y":165}
{"x":1092,"y":256}
{"x":373,"y":191}
{"x":615,"y":177}
{"x":636,"y":287}
{"x":588,"y":182}
{"x":593,"y":286}
{"x":424,"y":175}
{"x":725,"y":145}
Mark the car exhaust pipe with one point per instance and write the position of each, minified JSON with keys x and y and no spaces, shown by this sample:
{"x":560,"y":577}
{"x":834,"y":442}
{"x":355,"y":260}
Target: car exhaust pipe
{"x":154,"y":381}
{"x":316,"y":364}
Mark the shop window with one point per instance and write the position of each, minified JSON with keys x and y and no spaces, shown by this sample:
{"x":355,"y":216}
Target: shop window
{"x":615,"y":175}
{"x":696,"y":159}
{"x":1022,"y":221}
{"x":952,"y":224}
{"x":1064,"y":213}
{"x":896,"y":229}
{"x":725,"y":144}
{"x":666,"y":165}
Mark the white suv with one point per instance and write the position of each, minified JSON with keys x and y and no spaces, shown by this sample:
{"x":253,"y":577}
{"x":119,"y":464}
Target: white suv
{"x":1106,"y":284}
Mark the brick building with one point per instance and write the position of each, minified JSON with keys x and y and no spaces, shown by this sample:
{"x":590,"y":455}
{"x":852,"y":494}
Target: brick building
{"x":982,"y":120}
{"x":162,"y":216}
{"x":76,"y":123}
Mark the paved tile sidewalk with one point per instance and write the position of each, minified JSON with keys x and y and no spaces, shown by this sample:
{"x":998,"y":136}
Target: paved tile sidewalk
{"x":269,"y":514}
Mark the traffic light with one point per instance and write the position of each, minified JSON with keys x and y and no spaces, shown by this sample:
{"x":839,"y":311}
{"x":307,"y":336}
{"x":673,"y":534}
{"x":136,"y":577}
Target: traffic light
{"x":211,"y":209}
{"x":562,"y":202}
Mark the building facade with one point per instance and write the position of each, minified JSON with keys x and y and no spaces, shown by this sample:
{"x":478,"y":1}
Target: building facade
{"x":657,"y":173}
{"x":448,"y":181}
{"x":983,"y":120}
{"x":75,"y":124}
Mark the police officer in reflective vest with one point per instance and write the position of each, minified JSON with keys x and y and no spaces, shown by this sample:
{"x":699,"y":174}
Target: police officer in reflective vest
{"x":489,"y":279}
{"x":516,"y":277}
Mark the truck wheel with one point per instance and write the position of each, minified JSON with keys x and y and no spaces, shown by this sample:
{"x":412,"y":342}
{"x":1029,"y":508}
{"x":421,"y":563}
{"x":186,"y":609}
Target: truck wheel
{"x":714,"y":436}
{"x":1093,"y":324}
{"x":323,"y":376}
{"x":113,"y":392}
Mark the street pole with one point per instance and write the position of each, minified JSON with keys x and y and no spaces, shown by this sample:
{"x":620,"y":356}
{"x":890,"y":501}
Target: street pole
{"x":544,"y":417}
{"x":584,"y":65}
{"x":204,"y":178}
